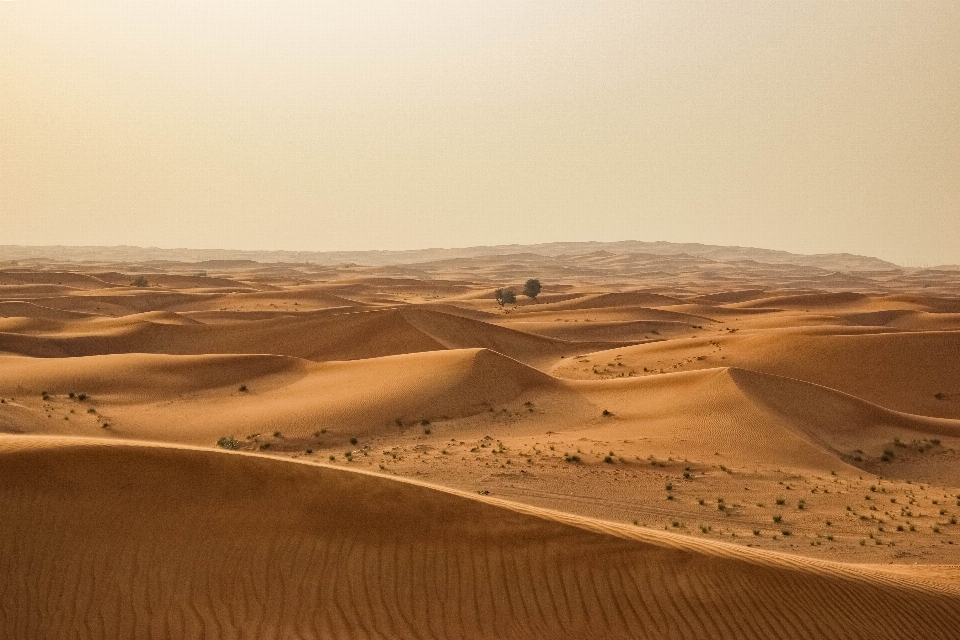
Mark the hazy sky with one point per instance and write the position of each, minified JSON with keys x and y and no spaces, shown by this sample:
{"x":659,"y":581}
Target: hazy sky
{"x":805,"y":126}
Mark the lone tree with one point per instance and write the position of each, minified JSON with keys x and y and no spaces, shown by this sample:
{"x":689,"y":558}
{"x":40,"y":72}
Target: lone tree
{"x":140,"y":282}
{"x":532,"y":289}
{"x":505,"y":296}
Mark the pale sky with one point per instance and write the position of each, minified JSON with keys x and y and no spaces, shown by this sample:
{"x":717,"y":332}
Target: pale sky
{"x":805,"y":126}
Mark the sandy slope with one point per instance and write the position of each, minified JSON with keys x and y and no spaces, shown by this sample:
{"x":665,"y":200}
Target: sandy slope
{"x":331,"y":335}
{"x":899,"y":370}
{"x":226,"y":545}
{"x":196,"y":399}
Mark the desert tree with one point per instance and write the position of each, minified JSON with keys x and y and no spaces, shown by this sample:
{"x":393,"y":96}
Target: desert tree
{"x":505,"y":296}
{"x":532,"y":289}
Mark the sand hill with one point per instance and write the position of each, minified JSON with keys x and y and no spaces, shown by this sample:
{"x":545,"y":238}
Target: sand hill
{"x":694,"y":443}
{"x":226,"y":545}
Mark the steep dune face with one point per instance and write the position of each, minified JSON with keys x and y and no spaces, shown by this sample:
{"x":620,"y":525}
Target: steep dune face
{"x":892,"y":444}
{"x":700,"y":413}
{"x":106,"y":542}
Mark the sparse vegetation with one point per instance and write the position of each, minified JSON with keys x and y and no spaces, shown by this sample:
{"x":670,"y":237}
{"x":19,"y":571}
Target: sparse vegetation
{"x":227,"y":442}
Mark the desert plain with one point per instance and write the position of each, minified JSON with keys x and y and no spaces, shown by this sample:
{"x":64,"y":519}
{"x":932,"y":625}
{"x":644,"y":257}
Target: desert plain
{"x":669,"y":441}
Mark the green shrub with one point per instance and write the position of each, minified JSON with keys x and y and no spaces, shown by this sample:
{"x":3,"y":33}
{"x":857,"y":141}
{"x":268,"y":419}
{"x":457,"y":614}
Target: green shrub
{"x":226,"y":442}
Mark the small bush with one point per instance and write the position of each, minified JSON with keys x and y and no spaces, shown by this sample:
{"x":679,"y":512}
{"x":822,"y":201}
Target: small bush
{"x":607,"y":413}
{"x":353,"y":441}
{"x":226,"y":442}
{"x":608,"y":460}
{"x":777,"y":518}
{"x":243,"y":388}
{"x":781,"y":501}
{"x":276,"y":434}
{"x":140,"y":281}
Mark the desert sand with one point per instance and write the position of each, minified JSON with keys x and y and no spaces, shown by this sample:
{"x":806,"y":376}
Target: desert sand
{"x":702,"y":442}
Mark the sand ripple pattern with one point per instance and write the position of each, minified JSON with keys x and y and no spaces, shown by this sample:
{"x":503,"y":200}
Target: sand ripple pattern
{"x":116,"y":541}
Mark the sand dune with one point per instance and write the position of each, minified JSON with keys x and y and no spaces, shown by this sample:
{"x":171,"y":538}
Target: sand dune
{"x":727,"y":297}
{"x":709,"y":445}
{"x":912,"y":372}
{"x":32,"y":310}
{"x":858,"y":431}
{"x":228,"y":545}
{"x":196,"y":399}
{"x":61,"y":278}
{"x":904,"y":319}
{"x":623,"y":331}
{"x":624,"y":299}
{"x":340,"y":336}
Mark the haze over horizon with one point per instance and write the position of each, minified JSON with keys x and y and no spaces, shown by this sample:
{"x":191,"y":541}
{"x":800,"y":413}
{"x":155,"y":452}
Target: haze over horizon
{"x":799,"y":126}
